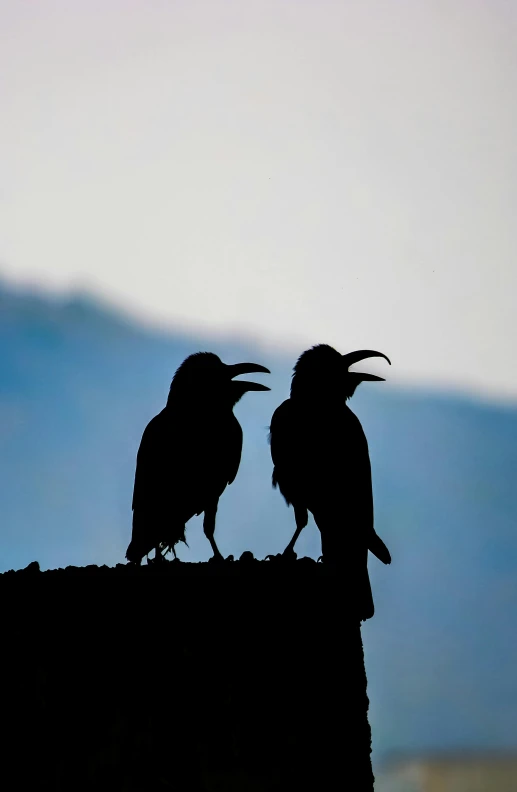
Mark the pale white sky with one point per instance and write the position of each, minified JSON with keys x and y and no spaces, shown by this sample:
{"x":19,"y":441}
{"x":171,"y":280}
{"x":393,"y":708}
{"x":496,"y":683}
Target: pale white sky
{"x":340,"y":172}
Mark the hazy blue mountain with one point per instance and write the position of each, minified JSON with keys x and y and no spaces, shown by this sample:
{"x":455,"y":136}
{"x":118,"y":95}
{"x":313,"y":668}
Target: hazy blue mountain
{"x":78,"y":383}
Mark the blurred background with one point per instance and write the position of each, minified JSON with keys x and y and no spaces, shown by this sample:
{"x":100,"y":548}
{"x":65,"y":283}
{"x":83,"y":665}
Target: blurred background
{"x":252,"y":178}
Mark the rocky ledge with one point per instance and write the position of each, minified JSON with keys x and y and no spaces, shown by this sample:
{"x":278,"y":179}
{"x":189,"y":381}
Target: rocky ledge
{"x":242,"y":675}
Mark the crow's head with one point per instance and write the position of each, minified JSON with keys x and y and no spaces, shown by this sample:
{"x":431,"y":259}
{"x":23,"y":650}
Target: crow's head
{"x":204,"y":376}
{"x":322,"y":371}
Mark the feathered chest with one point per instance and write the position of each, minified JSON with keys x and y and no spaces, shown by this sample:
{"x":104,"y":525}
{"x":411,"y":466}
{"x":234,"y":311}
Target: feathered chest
{"x":321,"y":443}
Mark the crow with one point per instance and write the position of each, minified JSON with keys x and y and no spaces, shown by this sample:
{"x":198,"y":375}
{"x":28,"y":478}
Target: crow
{"x":322,"y":464}
{"x":188,"y":454}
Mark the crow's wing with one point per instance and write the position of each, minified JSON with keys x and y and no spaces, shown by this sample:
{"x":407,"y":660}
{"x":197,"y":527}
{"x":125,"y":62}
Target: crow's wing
{"x":168,"y":466}
{"x":149,"y":473}
{"x":283,"y":438}
{"x":184,"y":460}
{"x":288,"y":452}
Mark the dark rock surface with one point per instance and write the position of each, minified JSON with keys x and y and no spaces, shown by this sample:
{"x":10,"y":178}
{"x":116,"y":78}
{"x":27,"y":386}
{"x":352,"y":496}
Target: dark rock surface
{"x":242,"y":675}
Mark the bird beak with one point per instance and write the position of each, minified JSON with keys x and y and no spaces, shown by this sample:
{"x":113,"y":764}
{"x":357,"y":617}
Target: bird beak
{"x":355,"y":357}
{"x":247,"y":368}
{"x":366,"y":377}
{"x":251,"y":386}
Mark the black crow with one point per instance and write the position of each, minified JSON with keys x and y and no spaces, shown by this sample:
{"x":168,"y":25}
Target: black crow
{"x":188,"y":454}
{"x":322,"y":465}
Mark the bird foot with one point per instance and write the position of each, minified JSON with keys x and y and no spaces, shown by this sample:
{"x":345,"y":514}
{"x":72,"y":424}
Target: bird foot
{"x":289,"y":554}
{"x":158,"y":559}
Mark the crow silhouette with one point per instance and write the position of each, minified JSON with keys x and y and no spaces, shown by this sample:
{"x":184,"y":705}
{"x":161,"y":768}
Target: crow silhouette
{"x":322,"y":464}
{"x":188,"y":454}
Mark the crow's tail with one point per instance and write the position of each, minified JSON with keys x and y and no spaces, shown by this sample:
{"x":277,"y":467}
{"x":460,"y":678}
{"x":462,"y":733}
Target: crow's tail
{"x":379,"y":549}
{"x":149,"y":532}
{"x":132,"y":555}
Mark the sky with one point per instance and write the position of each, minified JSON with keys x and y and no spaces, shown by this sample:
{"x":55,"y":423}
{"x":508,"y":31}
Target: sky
{"x":302,"y":172}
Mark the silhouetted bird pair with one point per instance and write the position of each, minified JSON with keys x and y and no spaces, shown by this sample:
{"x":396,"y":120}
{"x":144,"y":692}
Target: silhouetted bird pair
{"x":191,"y":451}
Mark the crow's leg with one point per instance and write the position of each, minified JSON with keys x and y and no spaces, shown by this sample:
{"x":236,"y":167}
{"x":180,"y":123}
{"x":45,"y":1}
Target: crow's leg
{"x":335,"y":548}
{"x":209,"y":527}
{"x":301,"y":516}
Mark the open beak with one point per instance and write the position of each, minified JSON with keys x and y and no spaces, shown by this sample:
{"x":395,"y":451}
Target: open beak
{"x":366,"y":377}
{"x":251,"y":386}
{"x":355,"y":357}
{"x":247,"y":368}
{"x":361,"y":354}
